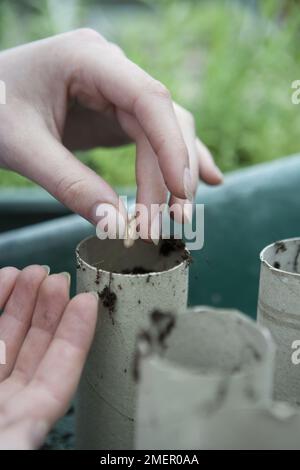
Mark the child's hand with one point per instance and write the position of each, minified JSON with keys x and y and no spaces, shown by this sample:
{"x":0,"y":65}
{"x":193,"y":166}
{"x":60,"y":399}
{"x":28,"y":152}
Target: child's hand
{"x":47,"y":338}
{"x":77,"y":91}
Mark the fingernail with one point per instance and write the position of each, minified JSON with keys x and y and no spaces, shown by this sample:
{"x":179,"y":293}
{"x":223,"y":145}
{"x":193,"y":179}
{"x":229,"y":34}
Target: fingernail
{"x":188,"y":211}
{"x":68,"y":276}
{"x":187,"y":184}
{"x":110,"y":222}
{"x":95,"y":294}
{"x":46,"y":268}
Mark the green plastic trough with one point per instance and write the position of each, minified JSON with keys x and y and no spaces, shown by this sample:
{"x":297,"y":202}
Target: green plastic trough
{"x":21,"y":207}
{"x":253,"y":208}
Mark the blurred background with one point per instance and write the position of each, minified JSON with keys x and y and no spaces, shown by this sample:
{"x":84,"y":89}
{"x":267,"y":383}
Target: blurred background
{"x":229,"y":62}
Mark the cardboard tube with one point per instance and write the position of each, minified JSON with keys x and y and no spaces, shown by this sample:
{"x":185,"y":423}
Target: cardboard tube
{"x":107,"y":393}
{"x":212,"y":360}
{"x":279,"y":311}
{"x":275,"y":427}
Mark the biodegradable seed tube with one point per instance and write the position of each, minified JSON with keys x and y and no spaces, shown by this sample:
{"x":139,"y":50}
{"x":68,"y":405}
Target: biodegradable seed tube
{"x":132,"y":283}
{"x":210,"y":360}
{"x":279,"y":311}
{"x":275,"y":427}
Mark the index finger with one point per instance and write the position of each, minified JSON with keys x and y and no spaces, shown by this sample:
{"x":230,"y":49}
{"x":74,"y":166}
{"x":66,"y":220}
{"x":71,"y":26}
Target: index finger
{"x":103,"y":72}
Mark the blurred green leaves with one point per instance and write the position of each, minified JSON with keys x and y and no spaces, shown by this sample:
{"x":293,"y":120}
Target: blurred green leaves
{"x":231,"y":64}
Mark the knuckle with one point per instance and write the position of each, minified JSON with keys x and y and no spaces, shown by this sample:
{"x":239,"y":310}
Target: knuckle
{"x":30,"y":277}
{"x":52,"y":287}
{"x":117,"y":49}
{"x":70,"y":190}
{"x":73,"y":49}
{"x":32,"y":273}
{"x":87,"y":34}
{"x":160,"y":90}
{"x":152,"y":89}
{"x":9,"y":272}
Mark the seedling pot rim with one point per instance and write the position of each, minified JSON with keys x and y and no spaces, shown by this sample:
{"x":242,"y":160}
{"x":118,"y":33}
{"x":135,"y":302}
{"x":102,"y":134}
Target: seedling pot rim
{"x":272,"y":268}
{"x":182,"y":372}
{"x":184,"y":262}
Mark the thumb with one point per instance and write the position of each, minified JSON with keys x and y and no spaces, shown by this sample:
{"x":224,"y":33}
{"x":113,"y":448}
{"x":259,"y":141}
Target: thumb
{"x":47,"y":162}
